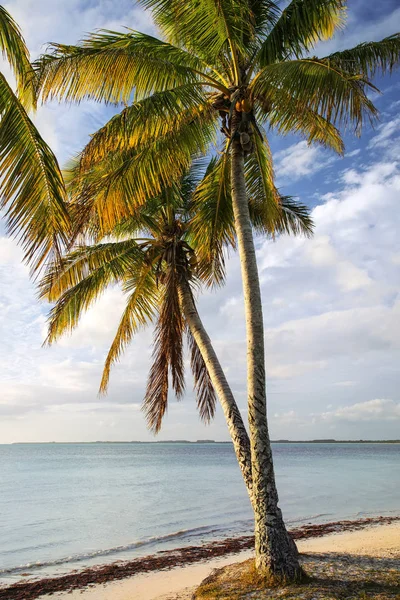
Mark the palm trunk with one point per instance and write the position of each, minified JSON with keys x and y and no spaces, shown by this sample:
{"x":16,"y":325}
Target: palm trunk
{"x":276,"y":553}
{"x":237,"y":429}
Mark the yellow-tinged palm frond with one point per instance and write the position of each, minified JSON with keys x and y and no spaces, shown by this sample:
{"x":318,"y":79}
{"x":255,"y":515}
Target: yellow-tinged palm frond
{"x":370,"y":57}
{"x":119,"y":257}
{"x":147,"y":120}
{"x":212,"y":224}
{"x":264,"y":198}
{"x":14,"y":50}
{"x":114,"y":187}
{"x":301,"y":24}
{"x":140,"y":309}
{"x":335,"y":94}
{"x":81,"y":279}
{"x":31,"y":185}
{"x":167,"y":353}
{"x":294,"y":218}
{"x":205,"y":393}
{"x":208,"y":28}
{"x":285,"y":113}
{"x":114,"y":68}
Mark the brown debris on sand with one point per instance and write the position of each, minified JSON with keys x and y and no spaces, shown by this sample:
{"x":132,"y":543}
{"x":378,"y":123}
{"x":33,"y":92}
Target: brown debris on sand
{"x":330,"y":577}
{"x":29,"y":590}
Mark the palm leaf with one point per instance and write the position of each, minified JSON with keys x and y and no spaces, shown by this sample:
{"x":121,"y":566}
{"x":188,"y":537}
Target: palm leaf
{"x":301,"y":24}
{"x":167,"y":354}
{"x":15,"y":51}
{"x":84,"y":276}
{"x":114,"y":67}
{"x":212,"y":224}
{"x":139,"y":311}
{"x":148,"y":119}
{"x":287,"y":114}
{"x":31,"y":186}
{"x":337,"y":95}
{"x":205,"y":393}
{"x":113,"y":188}
{"x":370,"y":57}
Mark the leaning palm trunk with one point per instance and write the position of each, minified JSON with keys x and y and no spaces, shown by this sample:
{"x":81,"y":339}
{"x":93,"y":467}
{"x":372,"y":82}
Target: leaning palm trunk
{"x":237,"y":429}
{"x":276,"y":553}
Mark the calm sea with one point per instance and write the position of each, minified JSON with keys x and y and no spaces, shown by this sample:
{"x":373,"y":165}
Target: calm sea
{"x":65,"y":506}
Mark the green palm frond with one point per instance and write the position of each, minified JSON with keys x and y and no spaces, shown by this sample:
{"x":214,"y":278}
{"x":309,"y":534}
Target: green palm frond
{"x":212,"y":226}
{"x":264,"y":199}
{"x":205,"y":393}
{"x":286,"y":114}
{"x":113,"y":67}
{"x":338,"y":96}
{"x":112,"y":189}
{"x":294,"y":218}
{"x":301,"y":24}
{"x":73,"y":268}
{"x":148,"y":119}
{"x":31,"y":186}
{"x":208,"y":28}
{"x":94,"y":269}
{"x":14,"y":50}
{"x":370,"y":57}
{"x":140,"y":309}
{"x":167,"y":354}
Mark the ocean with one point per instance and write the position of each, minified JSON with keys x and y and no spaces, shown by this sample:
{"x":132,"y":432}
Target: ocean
{"x":67,"y":506}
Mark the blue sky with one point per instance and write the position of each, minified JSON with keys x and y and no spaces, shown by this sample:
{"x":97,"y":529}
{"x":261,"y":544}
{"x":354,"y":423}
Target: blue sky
{"x":331,"y":304}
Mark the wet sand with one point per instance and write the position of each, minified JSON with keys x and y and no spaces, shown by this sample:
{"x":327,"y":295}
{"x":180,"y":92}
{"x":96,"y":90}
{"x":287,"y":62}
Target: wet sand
{"x":171,"y":575}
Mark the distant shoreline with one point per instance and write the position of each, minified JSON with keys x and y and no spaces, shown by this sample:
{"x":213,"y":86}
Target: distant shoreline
{"x":322,"y":441}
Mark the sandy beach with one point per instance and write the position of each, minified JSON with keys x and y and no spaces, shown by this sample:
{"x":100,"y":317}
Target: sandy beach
{"x":380,"y":541}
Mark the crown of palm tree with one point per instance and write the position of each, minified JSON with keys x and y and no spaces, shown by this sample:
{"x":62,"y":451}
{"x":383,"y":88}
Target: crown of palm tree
{"x":217,"y":59}
{"x":31,"y":186}
{"x":149,"y":255}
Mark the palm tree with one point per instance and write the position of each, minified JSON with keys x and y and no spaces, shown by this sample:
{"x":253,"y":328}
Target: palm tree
{"x":231,"y":67}
{"x":31,"y":185}
{"x":158,"y":274}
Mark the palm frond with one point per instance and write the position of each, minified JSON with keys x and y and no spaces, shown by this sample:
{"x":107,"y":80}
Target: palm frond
{"x":140,"y":309}
{"x":111,"y":190}
{"x":337,"y":95}
{"x":92,"y":277}
{"x":167,"y":354}
{"x":31,"y":186}
{"x":288,"y":115}
{"x":294,"y":218}
{"x":369,"y":58}
{"x":113,"y":67}
{"x":208,"y":28}
{"x":73,"y":268}
{"x":15,"y":51}
{"x":148,"y":119}
{"x":301,"y":24}
{"x":264,"y":199}
{"x":212,"y":224}
{"x":205,"y":393}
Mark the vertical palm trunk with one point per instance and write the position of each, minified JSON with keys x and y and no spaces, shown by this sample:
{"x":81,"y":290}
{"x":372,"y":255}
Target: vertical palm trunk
{"x":237,"y":429}
{"x":276,"y":553}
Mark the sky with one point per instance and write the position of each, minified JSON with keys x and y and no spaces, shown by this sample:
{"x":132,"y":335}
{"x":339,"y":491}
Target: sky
{"x":331,"y":304}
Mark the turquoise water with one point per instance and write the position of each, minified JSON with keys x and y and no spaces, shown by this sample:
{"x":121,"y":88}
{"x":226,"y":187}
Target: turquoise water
{"x":64,"y":506}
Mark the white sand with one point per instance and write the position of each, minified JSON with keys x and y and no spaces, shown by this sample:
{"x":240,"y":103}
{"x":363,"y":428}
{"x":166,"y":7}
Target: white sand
{"x":179,"y":583}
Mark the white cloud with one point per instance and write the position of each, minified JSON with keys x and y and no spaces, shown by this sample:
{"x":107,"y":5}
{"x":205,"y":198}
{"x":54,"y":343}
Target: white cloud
{"x":371,"y":410}
{"x":300,"y":160}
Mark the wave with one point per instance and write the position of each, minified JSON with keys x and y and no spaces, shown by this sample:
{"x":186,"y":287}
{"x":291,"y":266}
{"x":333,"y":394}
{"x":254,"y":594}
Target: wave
{"x":157,"y":539}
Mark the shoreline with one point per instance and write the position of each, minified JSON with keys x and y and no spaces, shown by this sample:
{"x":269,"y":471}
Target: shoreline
{"x":171,"y":559}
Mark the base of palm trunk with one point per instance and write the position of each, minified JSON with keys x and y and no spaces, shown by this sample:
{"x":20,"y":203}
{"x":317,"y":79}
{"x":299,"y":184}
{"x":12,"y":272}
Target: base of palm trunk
{"x":277,"y":557}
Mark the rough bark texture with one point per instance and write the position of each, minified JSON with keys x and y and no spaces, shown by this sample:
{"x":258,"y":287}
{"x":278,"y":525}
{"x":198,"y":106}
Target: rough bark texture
{"x":276,"y":553}
{"x":237,"y":429}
